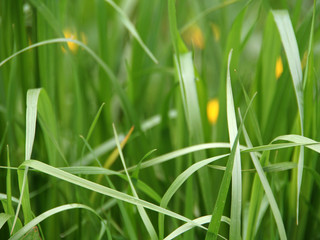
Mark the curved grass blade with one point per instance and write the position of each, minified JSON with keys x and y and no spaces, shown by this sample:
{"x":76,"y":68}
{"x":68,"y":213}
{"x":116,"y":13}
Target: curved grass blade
{"x":47,"y":214}
{"x":290,"y":45}
{"x":128,"y":24}
{"x":201,"y":220}
{"x":4,"y":218}
{"x":264,"y":181}
{"x":180,"y":180}
{"x":55,"y":172}
{"x":141,"y":210}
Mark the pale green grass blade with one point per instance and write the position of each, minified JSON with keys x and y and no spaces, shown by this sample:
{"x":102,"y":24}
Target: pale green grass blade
{"x":89,"y":170}
{"x":276,"y":167}
{"x":4,"y":218}
{"x":236,"y":190}
{"x":201,"y":220}
{"x":224,"y":187}
{"x":31,"y":118}
{"x":267,"y":189}
{"x":128,"y":24}
{"x":49,"y":213}
{"x":309,"y":143}
{"x":290,"y":45}
{"x":180,"y":180}
{"x":276,"y":146}
{"x":55,"y":172}
{"x":5,"y":197}
{"x":141,"y":210}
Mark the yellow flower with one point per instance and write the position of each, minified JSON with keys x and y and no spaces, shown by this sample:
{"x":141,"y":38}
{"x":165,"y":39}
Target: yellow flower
{"x":213,"y":110}
{"x":193,"y":35}
{"x":216,"y":31}
{"x":72,"y":46}
{"x":279,"y":68}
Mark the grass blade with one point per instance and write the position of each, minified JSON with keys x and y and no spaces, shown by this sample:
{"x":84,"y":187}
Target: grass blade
{"x":290,"y":45}
{"x":49,"y":213}
{"x":236,"y":194}
{"x":142,"y":212}
{"x":201,"y":220}
{"x":55,"y":172}
{"x":267,"y":189}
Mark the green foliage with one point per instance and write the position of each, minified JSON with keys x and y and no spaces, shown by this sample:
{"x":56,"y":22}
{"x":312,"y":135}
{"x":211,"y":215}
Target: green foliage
{"x":72,"y":71}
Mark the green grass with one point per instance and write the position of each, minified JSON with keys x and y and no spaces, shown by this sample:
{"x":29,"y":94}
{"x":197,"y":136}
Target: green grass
{"x":73,"y":166}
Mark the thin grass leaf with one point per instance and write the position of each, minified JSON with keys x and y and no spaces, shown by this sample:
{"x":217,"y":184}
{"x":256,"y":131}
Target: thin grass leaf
{"x":95,"y":120}
{"x":201,"y":220}
{"x":5,"y":197}
{"x":224,"y":187}
{"x":128,"y":24}
{"x":31,"y":118}
{"x":4,"y":218}
{"x":142,"y":212}
{"x":290,"y":45}
{"x":184,"y":176}
{"x":267,"y":189}
{"x":236,"y":194}
{"x":49,"y":213}
{"x":55,"y":172}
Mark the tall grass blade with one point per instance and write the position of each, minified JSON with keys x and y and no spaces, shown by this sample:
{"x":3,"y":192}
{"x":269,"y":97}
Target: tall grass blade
{"x":142,"y":212}
{"x":290,"y":45}
{"x":236,"y":190}
{"x":31,"y":118}
{"x":267,"y":189}
{"x":224,"y":187}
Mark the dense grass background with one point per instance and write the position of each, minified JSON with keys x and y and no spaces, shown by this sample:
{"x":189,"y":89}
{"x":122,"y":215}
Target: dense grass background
{"x":166,"y":68}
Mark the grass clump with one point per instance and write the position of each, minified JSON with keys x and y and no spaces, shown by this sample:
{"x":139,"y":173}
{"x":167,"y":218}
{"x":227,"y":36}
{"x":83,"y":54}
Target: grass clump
{"x":159,"y":119}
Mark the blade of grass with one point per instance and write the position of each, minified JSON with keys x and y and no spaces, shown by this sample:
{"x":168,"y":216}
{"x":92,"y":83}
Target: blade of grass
{"x":4,"y":217}
{"x":55,"y":172}
{"x":267,"y":189}
{"x":201,"y":220}
{"x":141,"y":210}
{"x":236,"y":190}
{"x":31,"y":117}
{"x":290,"y":45}
{"x":128,"y":24}
{"x":224,"y":187}
{"x":49,"y":213}
{"x":179,"y":181}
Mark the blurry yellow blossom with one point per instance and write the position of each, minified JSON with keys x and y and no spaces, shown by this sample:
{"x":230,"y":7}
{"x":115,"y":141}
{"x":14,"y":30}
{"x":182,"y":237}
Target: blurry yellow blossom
{"x":72,"y":46}
{"x":279,"y":67}
{"x":304,"y":60}
{"x":213,"y":110}
{"x":193,"y":35}
{"x":216,"y":31}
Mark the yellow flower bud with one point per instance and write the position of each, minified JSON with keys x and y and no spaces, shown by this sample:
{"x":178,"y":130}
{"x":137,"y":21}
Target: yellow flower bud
{"x":213,"y":110}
